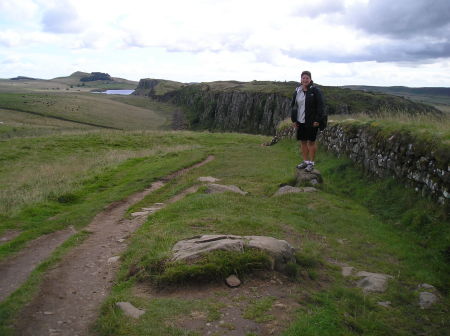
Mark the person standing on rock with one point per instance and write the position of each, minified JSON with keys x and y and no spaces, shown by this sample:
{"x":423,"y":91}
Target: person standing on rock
{"x":307,"y":114}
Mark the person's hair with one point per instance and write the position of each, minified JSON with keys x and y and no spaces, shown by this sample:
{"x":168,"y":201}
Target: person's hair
{"x":306,"y":73}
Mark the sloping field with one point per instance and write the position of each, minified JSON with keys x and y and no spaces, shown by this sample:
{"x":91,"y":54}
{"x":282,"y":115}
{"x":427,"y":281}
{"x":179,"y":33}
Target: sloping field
{"x":96,"y":110}
{"x":390,"y":230}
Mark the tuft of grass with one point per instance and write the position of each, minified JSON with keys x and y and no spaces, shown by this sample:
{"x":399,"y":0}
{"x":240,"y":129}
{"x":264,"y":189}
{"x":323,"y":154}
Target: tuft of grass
{"x":212,"y":267}
{"x":258,"y":309}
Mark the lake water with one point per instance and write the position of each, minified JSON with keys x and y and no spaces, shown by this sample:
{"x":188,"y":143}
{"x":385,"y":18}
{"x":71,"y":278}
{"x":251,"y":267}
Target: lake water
{"x":118,"y":92}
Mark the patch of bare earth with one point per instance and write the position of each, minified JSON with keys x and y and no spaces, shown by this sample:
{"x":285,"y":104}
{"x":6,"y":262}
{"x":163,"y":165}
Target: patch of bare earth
{"x":288,"y":296}
{"x":16,"y":270}
{"x":71,"y":293}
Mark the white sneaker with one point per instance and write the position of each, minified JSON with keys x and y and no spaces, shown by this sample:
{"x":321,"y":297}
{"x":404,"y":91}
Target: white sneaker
{"x":302,"y":165}
{"x":310,"y":167}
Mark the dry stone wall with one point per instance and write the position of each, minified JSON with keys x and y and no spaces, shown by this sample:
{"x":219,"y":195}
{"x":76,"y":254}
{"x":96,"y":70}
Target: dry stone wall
{"x":421,"y":164}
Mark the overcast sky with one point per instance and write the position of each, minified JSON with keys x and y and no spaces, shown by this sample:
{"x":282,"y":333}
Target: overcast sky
{"x":342,"y":42}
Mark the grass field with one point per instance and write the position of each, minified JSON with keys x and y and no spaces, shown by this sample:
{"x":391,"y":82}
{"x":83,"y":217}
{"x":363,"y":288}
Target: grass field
{"x":20,"y":113}
{"x":56,"y":173}
{"x":379,"y":241}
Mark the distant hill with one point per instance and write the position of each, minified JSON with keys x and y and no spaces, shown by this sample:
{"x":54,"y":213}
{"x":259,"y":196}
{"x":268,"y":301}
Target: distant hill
{"x":96,"y":80}
{"x":23,"y":78}
{"x":430,"y":95}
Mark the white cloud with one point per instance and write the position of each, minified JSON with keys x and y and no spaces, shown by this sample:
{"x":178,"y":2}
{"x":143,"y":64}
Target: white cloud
{"x":211,"y":40}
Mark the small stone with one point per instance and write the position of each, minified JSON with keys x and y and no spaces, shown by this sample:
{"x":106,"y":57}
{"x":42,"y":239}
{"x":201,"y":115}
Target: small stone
{"x":426,"y":286}
{"x":426,"y":300}
{"x":209,"y":179}
{"x":139,"y":213}
{"x":385,"y":304}
{"x":120,"y":240}
{"x":113,"y":259}
{"x":347,"y":271}
{"x":130,"y":310}
{"x":214,"y":188}
{"x":373,"y":282}
{"x":233,"y":281}
{"x":48,"y":313}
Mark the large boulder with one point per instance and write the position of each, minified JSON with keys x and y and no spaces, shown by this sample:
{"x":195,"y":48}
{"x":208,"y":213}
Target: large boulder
{"x":193,"y":248}
{"x":304,"y":178}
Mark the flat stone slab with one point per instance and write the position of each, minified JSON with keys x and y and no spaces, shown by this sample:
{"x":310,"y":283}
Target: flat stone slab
{"x":373,"y":282}
{"x":209,"y":179}
{"x":140,"y":213}
{"x":289,"y":190}
{"x":312,"y":178}
{"x":214,"y":188}
{"x":130,"y":310}
{"x":193,"y":248}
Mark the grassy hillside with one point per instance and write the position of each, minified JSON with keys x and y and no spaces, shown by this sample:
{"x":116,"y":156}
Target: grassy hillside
{"x":20,"y":111}
{"x":51,"y":182}
{"x":75,"y":81}
{"x":58,"y":170}
{"x":439,"y":97}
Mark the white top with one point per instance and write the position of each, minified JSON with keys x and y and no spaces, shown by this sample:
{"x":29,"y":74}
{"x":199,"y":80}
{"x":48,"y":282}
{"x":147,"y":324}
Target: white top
{"x":301,"y":105}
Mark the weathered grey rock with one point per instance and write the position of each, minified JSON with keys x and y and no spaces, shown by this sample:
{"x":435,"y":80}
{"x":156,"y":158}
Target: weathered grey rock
{"x":214,"y":188}
{"x":209,"y":179}
{"x":373,"y":282}
{"x":139,"y":213}
{"x":426,"y":286}
{"x":233,"y":281}
{"x":385,"y":304}
{"x":347,"y":271}
{"x":289,"y":189}
{"x":130,"y":310}
{"x":113,"y":260}
{"x":304,"y":178}
{"x":193,"y":248}
{"x":426,"y":300}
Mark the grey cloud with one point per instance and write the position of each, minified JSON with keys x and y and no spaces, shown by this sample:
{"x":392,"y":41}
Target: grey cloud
{"x":412,"y":50}
{"x":401,"y":18}
{"x":62,"y":19}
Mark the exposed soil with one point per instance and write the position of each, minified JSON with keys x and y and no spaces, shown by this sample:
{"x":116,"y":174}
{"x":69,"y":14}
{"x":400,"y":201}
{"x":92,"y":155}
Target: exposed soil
{"x":233,"y":303}
{"x":71,"y":293}
{"x":8,"y":235}
{"x":16,"y":270}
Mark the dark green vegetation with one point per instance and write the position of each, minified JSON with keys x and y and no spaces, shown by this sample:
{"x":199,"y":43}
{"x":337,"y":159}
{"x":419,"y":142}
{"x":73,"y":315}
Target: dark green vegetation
{"x":436,"y":96}
{"x":67,"y":175}
{"x":258,"y":106}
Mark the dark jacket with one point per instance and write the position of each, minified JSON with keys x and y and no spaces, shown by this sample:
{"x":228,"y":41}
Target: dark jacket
{"x":314,"y":107}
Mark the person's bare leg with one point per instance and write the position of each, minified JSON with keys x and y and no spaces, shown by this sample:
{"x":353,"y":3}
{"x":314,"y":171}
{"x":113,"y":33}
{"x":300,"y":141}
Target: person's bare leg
{"x":304,"y":150}
{"x":311,"y":149}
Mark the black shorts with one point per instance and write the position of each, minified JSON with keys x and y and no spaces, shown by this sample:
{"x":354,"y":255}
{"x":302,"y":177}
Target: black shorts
{"x":306,"y":133}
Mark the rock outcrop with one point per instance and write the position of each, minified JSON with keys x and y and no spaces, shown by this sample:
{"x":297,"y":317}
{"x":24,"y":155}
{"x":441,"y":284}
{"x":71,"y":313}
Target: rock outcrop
{"x":258,"y":107}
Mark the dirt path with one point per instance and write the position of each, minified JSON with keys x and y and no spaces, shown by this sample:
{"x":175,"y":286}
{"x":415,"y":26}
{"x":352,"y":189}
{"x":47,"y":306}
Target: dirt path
{"x":17,"y":269}
{"x":71,"y":293}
